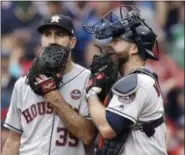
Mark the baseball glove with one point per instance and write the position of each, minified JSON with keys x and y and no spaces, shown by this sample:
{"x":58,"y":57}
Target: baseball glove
{"x":50,"y":62}
{"x":104,"y":71}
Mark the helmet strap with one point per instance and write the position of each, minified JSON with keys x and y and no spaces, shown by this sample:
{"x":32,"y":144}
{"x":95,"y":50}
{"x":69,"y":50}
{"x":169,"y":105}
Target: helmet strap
{"x":157,"y":50}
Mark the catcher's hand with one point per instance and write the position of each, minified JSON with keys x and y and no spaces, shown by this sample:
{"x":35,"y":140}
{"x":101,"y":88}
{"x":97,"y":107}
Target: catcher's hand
{"x":51,"y":62}
{"x":104,"y":72}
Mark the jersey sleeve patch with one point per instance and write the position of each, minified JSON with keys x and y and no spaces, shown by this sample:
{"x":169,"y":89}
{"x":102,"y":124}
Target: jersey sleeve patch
{"x":126,"y":86}
{"x":127,"y":99}
{"x":129,"y":106}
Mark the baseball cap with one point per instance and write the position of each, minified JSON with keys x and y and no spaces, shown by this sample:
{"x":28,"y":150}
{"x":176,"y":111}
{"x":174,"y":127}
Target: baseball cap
{"x":59,"y":21}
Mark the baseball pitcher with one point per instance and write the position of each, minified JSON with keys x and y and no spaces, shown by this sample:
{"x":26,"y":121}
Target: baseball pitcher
{"x":48,"y":114}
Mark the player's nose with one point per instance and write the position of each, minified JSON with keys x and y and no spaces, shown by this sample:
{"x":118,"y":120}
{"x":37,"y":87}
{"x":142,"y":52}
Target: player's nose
{"x":53,"y":40}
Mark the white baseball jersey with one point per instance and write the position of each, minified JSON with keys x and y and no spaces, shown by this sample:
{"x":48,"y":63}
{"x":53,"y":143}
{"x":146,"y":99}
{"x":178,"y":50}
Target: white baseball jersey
{"x":42,"y":132}
{"x":145,"y":105}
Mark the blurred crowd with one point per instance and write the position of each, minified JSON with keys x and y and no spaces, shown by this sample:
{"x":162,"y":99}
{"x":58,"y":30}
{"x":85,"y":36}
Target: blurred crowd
{"x":21,"y":43}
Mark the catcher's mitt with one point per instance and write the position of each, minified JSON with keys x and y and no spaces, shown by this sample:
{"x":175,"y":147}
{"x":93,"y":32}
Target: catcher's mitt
{"x":104,"y":71}
{"x":50,"y":62}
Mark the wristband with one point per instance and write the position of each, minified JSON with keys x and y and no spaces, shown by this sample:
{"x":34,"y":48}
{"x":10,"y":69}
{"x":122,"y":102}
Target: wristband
{"x":91,"y":93}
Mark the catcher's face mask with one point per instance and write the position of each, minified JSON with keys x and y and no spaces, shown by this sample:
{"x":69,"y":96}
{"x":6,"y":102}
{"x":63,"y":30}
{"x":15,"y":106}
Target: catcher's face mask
{"x":128,"y":25}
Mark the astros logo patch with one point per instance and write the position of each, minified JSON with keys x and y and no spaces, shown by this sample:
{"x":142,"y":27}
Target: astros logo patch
{"x":127,"y":99}
{"x":75,"y":94}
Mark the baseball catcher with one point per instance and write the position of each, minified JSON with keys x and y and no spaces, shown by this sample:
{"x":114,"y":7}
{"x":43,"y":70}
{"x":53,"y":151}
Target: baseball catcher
{"x":131,"y":119}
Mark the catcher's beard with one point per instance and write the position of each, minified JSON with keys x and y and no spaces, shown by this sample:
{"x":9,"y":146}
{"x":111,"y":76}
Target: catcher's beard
{"x":123,"y":59}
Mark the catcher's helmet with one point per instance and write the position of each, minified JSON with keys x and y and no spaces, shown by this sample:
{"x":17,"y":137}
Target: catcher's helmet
{"x":127,"y":25}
